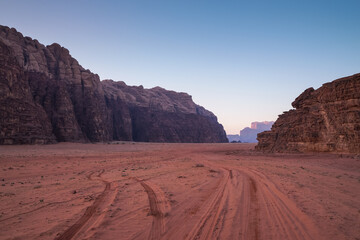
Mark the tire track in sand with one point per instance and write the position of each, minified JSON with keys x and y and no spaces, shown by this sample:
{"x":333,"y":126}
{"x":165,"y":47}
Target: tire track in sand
{"x":280,"y":217}
{"x":247,"y":205}
{"x":227,"y":212}
{"x":159,"y":208}
{"x":94,"y":213}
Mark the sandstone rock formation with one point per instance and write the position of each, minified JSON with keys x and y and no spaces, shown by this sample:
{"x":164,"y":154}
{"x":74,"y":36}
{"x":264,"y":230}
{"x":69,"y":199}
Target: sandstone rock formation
{"x":20,"y":117}
{"x":248,"y":135}
{"x":159,"y":115}
{"x":326,"y":119}
{"x":47,"y":96}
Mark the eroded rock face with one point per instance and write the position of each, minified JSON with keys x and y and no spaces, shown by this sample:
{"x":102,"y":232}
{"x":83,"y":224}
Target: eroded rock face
{"x":71,"y":96}
{"x":159,"y":115}
{"x":21,"y":119}
{"x":46,"y":96}
{"x":326,"y":119}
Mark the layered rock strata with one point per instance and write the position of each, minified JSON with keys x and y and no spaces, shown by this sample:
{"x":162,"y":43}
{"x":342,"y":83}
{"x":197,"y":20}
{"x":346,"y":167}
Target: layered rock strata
{"x":326,"y":119}
{"x":47,"y":96}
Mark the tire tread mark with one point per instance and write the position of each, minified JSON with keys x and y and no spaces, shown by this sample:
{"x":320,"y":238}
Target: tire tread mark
{"x":159,"y":207}
{"x":90,"y":212}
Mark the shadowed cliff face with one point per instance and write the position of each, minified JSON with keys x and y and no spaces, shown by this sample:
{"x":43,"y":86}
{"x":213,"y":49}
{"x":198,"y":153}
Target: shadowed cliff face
{"x":326,"y":119}
{"x":20,"y":117}
{"x":71,"y":96}
{"x":48,"y":96}
{"x":159,"y":115}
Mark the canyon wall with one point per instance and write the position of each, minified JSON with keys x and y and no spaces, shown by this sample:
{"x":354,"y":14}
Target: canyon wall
{"x":46,"y":96}
{"x":325,"y":120}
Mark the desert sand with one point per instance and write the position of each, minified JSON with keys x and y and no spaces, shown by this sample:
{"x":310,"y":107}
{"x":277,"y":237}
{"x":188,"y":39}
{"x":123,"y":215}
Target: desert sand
{"x":127,"y":190}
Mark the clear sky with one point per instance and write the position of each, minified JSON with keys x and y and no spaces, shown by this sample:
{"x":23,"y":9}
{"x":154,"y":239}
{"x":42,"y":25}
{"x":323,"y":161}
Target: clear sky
{"x":243,"y":60}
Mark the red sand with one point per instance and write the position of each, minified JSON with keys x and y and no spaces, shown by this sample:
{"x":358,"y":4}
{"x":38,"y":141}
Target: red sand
{"x":176,"y":191}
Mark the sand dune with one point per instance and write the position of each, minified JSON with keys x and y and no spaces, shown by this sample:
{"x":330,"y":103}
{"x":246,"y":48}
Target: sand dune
{"x":176,"y":191}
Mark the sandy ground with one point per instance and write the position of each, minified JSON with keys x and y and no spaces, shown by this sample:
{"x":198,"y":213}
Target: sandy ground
{"x":176,"y":191}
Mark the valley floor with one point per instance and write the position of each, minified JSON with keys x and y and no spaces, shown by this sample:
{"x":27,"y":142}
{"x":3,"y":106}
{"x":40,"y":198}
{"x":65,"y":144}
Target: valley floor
{"x":129,"y":190}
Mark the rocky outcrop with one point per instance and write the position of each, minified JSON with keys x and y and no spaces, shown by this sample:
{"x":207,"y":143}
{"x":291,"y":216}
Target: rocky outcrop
{"x":326,"y":119}
{"x":249,"y":135}
{"x":47,"y":96}
{"x":159,"y":115}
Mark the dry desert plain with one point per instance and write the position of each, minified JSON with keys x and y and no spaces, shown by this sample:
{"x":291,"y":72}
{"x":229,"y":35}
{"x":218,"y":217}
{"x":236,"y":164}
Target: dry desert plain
{"x":127,"y":190}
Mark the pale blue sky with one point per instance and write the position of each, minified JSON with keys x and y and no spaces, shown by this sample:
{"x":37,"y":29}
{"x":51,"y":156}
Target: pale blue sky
{"x":243,"y":60}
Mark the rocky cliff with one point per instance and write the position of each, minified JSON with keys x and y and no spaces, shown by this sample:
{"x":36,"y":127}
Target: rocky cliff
{"x":159,"y":115}
{"x":47,"y":96}
{"x":326,"y":119}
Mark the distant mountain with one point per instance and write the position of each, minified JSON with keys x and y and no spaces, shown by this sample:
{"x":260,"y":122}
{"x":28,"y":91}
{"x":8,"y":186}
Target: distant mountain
{"x":47,"y":96}
{"x":249,"y":135}
{"x":233,"y":137}
{"x":324,"y":120}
